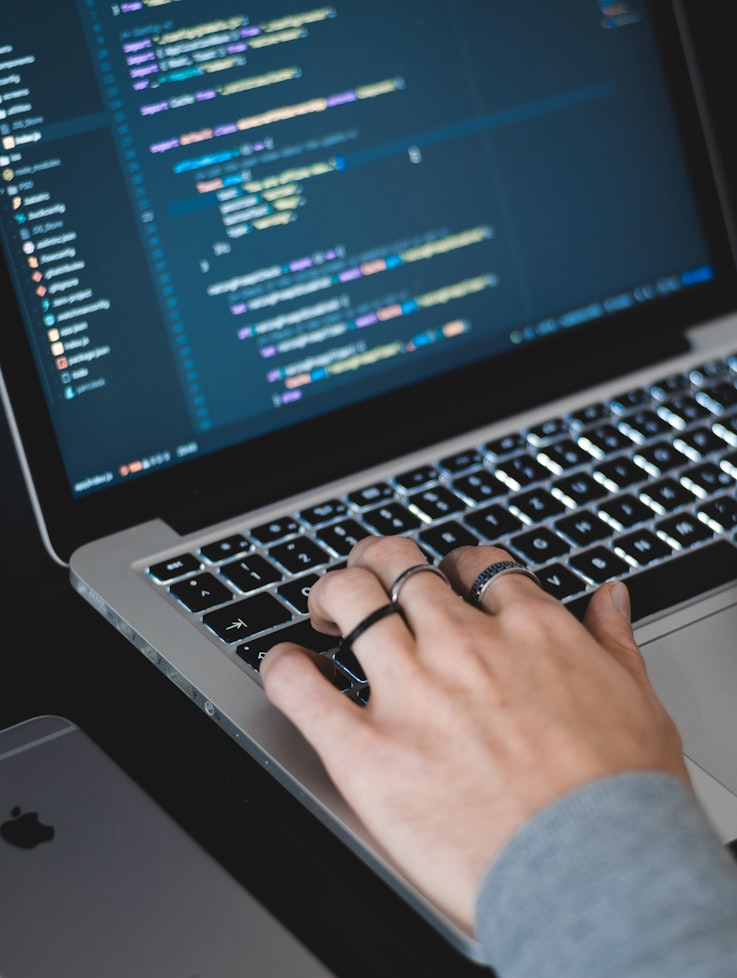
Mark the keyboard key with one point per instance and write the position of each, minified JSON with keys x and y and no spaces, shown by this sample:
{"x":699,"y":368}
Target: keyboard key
{"x":251,"y":572}
{"x":447,"y":536}
{"x":630,"y":399}
{"x":729,"y":464}
{"x":201,"y":592}
{"x":340,"y":537}
{"x":299,"y":555}
{"x":709,"y":371}
{"x":726,"y":428}
{"x":683,"y":530}
{"x":535,"y":505}
{"x":302,"y":634}
{"x":589,"y":415}
{"x":603,"y":440}
{"x":540,"y":545}
{"x":673,"y":384}
{"x":643,"y":425}
{"x":659,"y":457}
{"x":560,"y":581}
{"x":562,"y":455}
{"x":520,"y":471}
{"x":578,"y":490}
{"x":599,"y":564}
{"x":225,"y":549}
{"x":618,"y":473}
{"x":246,"y":618}
{"x":642,"y":548}
{"x":417,"y":477}
{"x":492,"y":522}
{"x":542,"y":433}
{"x":698,"y":443}
{"x":624,"y":511}
{"x":668,"y":386}
{"x":344,"y":684}
{"x":436,"y":503}
{"x":718,"y":398}
{"x":665,"y":495}
{"x":371,"y":495}
{"x":505,"y":445}
{"x":690,"y":574}
{"x":329,"y":510}
{"x":340,"y":565}
{"x":275,"y":530}
{"x":296,"y":592}
{"x":461,"y":461}
{"x":682,"y":410}
{"x":393,"y":518}
{"x":167,"y":570}
{"x":704,"y":480}
{"x":479,"y":486}
{"x":346,"y":659}
{"x":583,"y":528}
{"x":720,"y":513}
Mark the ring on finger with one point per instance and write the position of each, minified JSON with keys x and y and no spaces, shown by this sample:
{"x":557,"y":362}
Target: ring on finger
{"x":406,"y":574}
{"x":363,"y":626}
{"x":491,"y":573}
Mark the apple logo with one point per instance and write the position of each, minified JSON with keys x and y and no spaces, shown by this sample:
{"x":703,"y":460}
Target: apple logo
{"x":25,"y":830}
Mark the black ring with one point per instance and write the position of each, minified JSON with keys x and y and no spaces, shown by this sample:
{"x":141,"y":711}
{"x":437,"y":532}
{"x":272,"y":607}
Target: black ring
{"x":386,"y":609}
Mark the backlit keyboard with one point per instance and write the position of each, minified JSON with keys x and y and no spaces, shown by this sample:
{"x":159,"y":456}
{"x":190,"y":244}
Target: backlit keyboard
{"x":640,"y":487}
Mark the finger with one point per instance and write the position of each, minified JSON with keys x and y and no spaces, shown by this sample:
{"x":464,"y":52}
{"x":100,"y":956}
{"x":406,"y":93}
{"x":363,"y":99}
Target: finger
{"x":296,"y":686}
{"x":464,"y":565}
{"x":607,"y":618}
{"x":420,"y":588}
{"x":323,"y":663}
{"x":345,"y":601}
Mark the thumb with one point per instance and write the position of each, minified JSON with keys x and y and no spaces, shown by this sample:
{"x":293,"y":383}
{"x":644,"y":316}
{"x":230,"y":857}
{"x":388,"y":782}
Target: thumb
{"x":607,"y":618}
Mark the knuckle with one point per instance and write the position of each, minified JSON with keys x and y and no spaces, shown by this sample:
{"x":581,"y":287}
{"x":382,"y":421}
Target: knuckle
{"x":535,"y":620}
{"x":345,"y":582}
{"x":374,"y":548}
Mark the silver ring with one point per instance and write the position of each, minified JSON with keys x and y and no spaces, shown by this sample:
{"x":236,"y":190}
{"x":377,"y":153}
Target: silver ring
{"x":490,"y":573}
{"x":406,"y":574}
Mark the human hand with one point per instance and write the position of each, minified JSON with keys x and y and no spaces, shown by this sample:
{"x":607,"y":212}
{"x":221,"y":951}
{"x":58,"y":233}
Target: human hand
{"x":477,"y":719}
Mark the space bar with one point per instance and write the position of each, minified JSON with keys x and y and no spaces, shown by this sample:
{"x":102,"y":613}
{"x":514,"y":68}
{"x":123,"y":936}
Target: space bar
{"x":691,"y":574}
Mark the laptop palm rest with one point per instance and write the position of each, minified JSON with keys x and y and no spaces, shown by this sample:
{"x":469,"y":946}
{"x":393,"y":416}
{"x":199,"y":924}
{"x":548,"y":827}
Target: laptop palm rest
{"x":694,"y":672}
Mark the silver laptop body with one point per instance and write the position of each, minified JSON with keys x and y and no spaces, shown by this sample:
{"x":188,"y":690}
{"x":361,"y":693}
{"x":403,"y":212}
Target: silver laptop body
{"x":279,"y":280}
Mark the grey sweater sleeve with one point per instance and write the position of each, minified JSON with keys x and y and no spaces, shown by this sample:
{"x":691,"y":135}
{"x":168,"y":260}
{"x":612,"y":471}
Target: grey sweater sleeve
{"x":624,"y":877}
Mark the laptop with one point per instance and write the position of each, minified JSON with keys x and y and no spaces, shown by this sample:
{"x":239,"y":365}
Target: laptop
{"x":98,"y":880}
{"x":277,"y":278}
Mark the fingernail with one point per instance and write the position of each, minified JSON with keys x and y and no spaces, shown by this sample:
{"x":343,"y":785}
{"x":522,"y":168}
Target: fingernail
{"x":621,"y":599}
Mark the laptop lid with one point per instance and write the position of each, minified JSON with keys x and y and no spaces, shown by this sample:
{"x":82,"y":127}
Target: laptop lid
{"x":244,"y":255}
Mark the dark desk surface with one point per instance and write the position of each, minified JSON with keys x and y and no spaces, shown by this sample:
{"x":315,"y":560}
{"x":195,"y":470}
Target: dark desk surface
{"x":68,"y":660}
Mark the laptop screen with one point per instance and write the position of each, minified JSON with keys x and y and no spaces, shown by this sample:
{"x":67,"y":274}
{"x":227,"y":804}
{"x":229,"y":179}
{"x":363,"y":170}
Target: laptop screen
{"x":224,"y":218}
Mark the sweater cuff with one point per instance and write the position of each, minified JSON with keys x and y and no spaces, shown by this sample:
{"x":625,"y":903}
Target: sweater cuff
{"x":624,"y":876}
